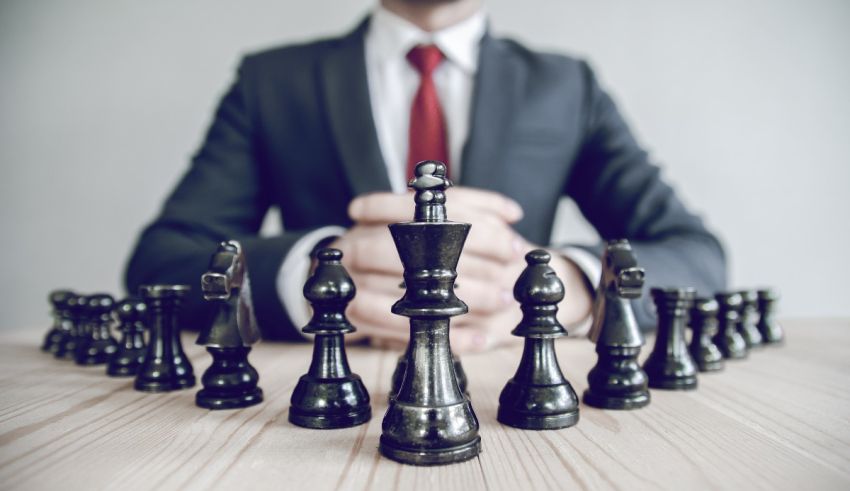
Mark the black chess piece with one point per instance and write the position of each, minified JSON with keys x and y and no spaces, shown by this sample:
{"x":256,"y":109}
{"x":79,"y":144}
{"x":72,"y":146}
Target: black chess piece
{"x":430,"y":421}
{"x":329,"y":395}
{"x":770,"y":329}
{"x":617,"y":381}
{"x":728,"y":339}
{"x":401,"y":366}
{"x":703,"y":322}
{"x":61,"y":329}
{"x":747,"y":322}
{"x":165,"y":367}
{"x":670,"y":365}
{"x":97,"y":345}
{"x":77,"y":316}
{"x":125,"y":362}
{"x":538,"y":397}
{"x":230,"y":382}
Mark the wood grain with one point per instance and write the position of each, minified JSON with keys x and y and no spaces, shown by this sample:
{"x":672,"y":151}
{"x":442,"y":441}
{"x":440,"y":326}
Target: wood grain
{"x":780,"y":420}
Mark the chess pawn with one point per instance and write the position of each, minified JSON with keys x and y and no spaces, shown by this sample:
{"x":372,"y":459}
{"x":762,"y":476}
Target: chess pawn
{"x":401,"y":366}
{"x":329,"y":395}
{"x":165,"y":366}
{"x":231,"y":381}
{"x":97,"y":345}
{"x":703,"y":323}
{"x":76,"y":310}
{"x":429,"y":421}
{"x":728,"y":339}
{"x":125,"y":362}
{"x":617,"y":381}
{"x":747,"y":323}
{"x":770,"y":330}
{"x":538,"y":397}
{"x":670,"y":365}
{"x":61,"y":329}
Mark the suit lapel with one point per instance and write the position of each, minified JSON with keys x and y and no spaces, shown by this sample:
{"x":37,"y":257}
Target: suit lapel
{"x":346,"y":92}
{"x":495,"y":98}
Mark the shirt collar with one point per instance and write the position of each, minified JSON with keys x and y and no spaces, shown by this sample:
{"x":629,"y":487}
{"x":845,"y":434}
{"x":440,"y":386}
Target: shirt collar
{"x":394,"y":36}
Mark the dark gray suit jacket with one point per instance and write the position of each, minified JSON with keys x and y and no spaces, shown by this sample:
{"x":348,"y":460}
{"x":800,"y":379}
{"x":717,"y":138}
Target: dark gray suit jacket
{"x":296,"y":131}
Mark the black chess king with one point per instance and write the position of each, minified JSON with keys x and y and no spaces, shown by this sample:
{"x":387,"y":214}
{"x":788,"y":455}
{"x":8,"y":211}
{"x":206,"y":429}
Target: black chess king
{"x":430,"y":421}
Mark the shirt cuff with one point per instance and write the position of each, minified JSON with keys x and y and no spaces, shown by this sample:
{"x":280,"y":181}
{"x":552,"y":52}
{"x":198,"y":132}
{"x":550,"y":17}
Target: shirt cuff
{"x":591,"y":267}
{"x":294,"y":271}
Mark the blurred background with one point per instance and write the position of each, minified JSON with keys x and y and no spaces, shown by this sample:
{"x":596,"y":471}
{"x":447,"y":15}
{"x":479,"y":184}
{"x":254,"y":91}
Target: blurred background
{"x":745,"y":105}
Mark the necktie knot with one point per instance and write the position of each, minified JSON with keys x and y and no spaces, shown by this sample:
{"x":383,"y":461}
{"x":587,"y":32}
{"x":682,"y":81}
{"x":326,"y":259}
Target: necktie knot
{"x":425,"y":58}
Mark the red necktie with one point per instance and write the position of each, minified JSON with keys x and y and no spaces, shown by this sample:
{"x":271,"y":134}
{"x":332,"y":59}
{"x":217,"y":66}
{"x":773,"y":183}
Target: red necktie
{"x":427,"y":137}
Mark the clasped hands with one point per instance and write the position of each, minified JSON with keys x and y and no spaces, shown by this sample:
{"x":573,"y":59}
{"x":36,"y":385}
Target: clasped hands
{"x":492,"y":259}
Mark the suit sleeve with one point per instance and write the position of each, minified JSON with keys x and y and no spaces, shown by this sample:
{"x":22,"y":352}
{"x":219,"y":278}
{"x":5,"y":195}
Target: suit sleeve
{"x":222,"y":196}
{"x":623,"y":196}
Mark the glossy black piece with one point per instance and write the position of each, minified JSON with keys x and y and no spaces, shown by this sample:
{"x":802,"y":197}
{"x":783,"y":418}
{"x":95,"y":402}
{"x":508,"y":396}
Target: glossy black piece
{"x":770,"y":329}
{"x":728,"y":339}
{"x":125,"y":362}
{"x":329,"y":395}
{"x":670,"y":365}
{"x":703,"y":323}
{"x":97,"y":344}
{"x":58,"y":334}
{"x":78,"y":317}
{"x":538,"y":397}
{"x":430,"y":421}
{"x":401,"y":366}
{"x":617,"y":381}
{"x":230,"y":382}
{"x":165,"y":367}
{"x":748,"y":321}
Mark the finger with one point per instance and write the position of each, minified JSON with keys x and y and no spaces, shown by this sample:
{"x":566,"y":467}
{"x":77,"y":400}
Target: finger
{"x":372,"y":313}
{"x":385,"y":284}
{"x":484,"y":297}
{"x":486,"y":201}
{"x":369,"y":249}
{"x":491,"y":237}
{"x":381,"y":208}
{"x":473,"y":266}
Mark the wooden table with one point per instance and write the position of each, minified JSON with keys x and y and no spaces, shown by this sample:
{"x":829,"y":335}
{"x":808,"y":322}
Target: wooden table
{"x":778,"y":420}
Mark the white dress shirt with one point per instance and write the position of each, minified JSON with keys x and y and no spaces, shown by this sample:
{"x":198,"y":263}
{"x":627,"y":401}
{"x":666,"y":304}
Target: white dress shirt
{"x":393,"y":83}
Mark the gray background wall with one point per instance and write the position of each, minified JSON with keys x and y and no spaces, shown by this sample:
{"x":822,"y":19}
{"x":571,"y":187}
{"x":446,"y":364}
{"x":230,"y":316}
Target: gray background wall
{"x":746,"y":105}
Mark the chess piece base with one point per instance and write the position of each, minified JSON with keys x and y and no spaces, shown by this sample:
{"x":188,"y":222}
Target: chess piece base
{"x":635,"y":401}
{"x":125,"y":363}
{"x":164,"y":385}
{"x":679,"y":383}
{"x":329,"y":421}
{"x":122,"y":370}
{"x":309,"y":402}
{"x":712,"y":366}
{"x":527,"y":421}
{"x":53,"y":341}
{"x":424,"y":457}
{"x":216,"y":400}
{"x":735,"y":355}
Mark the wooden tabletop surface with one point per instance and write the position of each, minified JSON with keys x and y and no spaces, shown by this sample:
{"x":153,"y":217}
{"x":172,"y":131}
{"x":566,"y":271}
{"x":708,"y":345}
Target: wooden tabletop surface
{"x":779,"y":420}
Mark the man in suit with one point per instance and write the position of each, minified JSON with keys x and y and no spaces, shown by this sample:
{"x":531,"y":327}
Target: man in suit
{"x":328,"y":132}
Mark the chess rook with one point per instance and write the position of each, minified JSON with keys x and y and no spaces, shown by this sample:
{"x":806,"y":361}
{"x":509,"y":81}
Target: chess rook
{"x":538,"y":397}
{"x":97,"y":344}
{"x":61,"y":329}
{"x":429,"y":421}
{"x":747,"y":323}
{"x":127,"y":359}
{"x":703,"y":323}
{"x":670,"y":365}
{"x":329,"y":395}
{"x":231,"y":381}
{"x":617,"y":381}
{"x":770,"y":330}
{"x":728,"y":339}
{"x":165,"y":367}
